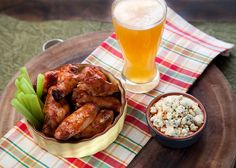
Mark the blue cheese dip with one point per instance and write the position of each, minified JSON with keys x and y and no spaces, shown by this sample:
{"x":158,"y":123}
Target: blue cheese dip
{"x":176,"y":116}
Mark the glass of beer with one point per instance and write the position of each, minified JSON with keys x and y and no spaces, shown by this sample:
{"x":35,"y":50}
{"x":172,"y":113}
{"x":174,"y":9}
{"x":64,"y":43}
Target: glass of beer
{"x":139,"y":26}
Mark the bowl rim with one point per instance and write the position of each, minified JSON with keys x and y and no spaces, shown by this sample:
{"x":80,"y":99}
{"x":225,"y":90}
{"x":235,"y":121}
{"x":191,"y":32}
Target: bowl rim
{"x":156,"y":99}
{"x":122,"y":108}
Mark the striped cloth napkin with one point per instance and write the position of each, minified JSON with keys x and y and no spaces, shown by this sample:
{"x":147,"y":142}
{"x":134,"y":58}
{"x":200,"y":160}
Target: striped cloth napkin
{"x":184,"y":54}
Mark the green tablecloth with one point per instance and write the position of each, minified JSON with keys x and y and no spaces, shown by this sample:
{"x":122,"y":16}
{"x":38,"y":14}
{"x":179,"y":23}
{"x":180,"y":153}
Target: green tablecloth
{"x":22,"y":40}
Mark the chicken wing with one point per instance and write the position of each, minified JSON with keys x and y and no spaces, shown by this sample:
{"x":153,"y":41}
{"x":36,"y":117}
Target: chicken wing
{"x":55,"y":112}
{"x":97,"y":86}
{"x":90,"y":71}
{"x":69,"y":76}
{"x":79,"y":98}
{"x":50,"y":80}
{"x":76,"y":122}
{"x":100,"y":123}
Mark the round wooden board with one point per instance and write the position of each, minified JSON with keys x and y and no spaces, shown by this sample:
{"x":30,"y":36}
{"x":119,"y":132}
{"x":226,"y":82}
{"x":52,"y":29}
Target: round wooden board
{"x":216,"y":148}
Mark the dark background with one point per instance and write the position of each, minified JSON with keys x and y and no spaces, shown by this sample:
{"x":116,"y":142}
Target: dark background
{"x":192,"y":10}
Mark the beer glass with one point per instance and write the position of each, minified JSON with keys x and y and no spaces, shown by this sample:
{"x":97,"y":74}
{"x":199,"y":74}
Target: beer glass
{"x":139,"y":26}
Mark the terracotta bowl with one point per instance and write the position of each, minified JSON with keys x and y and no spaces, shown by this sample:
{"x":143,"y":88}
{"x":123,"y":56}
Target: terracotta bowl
{"x":89,"y":146}
{"x":176,"y":142}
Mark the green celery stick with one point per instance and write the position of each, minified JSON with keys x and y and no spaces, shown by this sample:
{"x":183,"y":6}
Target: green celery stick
{"x":17,"y":83}
{"x":21,"y":98}
{"x":39,"y":86}
{"x":17,"y":92}
{"x":21,"y":109}
{"x":27,"y":101}
{"x":41,"y":103}
{"x":20,"y":76}
{"x":24,"y":72}
{"x":26,"y":87}
{"x":35,"y":107}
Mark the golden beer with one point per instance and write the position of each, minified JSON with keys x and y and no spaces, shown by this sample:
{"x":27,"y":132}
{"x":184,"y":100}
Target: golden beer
{"x":139,"y":26}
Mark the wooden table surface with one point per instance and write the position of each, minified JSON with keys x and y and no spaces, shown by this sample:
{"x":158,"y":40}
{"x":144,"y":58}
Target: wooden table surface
{"x":212,"y":88}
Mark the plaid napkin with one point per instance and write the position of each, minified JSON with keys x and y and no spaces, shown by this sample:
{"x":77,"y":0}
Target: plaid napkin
{"x":184,"y":54}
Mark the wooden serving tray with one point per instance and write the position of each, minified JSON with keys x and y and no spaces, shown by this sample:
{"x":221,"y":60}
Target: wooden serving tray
{"x":216,"y":148}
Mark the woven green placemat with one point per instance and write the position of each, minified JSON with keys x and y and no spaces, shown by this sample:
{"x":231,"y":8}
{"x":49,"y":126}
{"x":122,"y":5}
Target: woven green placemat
{"x":21,"y":40}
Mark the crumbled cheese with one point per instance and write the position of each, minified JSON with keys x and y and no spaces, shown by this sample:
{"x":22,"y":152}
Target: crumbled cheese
{"x":192,"y":112}
{"x":177,"y":122}
{"x":153,"y":118}
{"x":184,"y":132}
{"x":153,"y":110}
{"x":169,"y":115}
{"x":193,"y":127}
{"x":158,"y":105}
{"x":161,"y":124}
{"x":198,"y":119}
{"x":163,"y":129}
{"x":170,"y":131}
{"x":178,"y":131}
{"x":196,"y":109}
{"x":176,"y":116}
{"x":183,"y":121}
{"x":180,"y":109}
{"x":167,"y":108}
{"x":189,"y":119}
{"x":186,"y":102}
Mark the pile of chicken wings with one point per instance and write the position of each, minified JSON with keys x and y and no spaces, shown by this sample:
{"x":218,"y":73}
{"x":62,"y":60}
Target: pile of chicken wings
{"x":79,"y":102}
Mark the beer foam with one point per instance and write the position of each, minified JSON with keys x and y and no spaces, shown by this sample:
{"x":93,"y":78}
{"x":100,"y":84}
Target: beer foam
{"x":138,"y":13}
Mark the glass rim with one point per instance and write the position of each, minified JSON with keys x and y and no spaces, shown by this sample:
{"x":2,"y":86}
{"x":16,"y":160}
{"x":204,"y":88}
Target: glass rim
{"x":148,"y":26}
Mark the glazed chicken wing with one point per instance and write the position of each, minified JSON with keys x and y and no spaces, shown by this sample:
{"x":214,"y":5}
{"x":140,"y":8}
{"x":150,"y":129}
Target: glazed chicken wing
{"x":90,"y":71}
{"x":69,"y":76}
{"x":54,"y":112}
{"x":79,"y":98}
{"x":97,"y":87}
{"x":76,"y":122}
{"x":100,"y":123}
{"x":50,"y":80}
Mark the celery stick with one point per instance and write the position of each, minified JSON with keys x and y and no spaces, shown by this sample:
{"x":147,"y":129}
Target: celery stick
{"x":17,"y":83}
{"x":20,"y":77}
{"x":41,"y":103}
{"x":24,"y":72}
{"x":21,"y":109}
{"x":35,"y":107}
{"x":21,"y":98}
{"x":17,"y":92}
{"x":26,"y":87}
{"x":27,"y":101}
{"x":39,"y":86}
